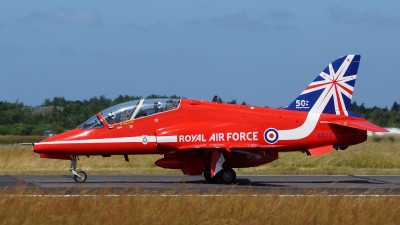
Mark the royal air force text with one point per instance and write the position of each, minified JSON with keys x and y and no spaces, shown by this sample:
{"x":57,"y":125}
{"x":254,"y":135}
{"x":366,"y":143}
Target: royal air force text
{"x":235,"y":136}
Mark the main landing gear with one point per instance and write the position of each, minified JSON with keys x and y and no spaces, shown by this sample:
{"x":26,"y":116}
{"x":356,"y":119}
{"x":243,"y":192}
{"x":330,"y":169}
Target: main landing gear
{"x":226,"y":176}
{"x":79,"y":176}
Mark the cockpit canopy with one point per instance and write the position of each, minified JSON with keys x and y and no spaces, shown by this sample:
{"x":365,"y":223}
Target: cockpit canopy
{"x":131,"y":110}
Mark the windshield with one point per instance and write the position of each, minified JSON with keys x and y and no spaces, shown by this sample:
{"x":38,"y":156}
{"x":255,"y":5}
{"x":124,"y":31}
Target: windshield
{"x":91,"y":123}
{"x":132,"y":110}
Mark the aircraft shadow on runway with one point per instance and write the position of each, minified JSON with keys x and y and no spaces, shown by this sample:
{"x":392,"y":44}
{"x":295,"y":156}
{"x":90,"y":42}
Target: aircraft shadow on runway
{"x":239,"y":182}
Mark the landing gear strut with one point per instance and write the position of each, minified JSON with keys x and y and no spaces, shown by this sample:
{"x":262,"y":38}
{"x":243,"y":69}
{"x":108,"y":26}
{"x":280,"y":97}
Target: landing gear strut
{"x":207,"y":176}
{"x":79,"y":176}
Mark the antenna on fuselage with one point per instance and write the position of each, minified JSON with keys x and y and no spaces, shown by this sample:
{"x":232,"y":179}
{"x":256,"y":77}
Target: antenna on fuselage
{"x":215,"y":99}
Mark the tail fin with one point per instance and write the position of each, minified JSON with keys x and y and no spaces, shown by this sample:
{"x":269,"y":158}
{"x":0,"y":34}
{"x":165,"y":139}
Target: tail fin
{"x":332,"y":90}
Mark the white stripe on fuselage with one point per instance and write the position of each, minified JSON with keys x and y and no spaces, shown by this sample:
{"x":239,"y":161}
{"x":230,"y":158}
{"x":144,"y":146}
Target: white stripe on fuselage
{"x":303,"y":131}
{"x":309,"y":124}
{"x":139,"y":139}
{"x":314,"y":114}
{"x":167,"y":139}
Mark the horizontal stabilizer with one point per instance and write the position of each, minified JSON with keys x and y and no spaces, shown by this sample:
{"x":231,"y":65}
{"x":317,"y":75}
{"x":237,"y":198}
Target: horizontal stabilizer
{"x":359,"y":124}
{"x":320,"y":150}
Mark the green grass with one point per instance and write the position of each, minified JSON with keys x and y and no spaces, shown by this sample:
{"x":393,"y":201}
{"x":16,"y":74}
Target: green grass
{"x":370,"y":157}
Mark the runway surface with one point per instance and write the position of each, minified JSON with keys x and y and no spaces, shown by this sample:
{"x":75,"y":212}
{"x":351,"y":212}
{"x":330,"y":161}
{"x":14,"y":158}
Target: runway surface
{"x":347,"y":184}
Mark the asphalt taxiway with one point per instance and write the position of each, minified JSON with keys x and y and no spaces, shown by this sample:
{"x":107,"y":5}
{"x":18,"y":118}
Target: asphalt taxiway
{"x":349,"y":184}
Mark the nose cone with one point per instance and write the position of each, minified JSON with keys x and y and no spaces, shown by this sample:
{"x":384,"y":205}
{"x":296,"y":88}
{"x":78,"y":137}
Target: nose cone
{"x":56,"y":143}
{"x":46,"y":145}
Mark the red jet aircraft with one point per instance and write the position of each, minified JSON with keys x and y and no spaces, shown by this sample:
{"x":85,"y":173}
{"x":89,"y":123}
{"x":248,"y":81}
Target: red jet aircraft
{"x":211,"y":138}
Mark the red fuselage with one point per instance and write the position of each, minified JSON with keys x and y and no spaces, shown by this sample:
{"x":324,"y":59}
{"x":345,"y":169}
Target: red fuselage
{"x":211,"y":138}
{"x":197,"y":126}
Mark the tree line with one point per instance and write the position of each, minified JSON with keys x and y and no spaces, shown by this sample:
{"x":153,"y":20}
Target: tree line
{"x":60,"y":114}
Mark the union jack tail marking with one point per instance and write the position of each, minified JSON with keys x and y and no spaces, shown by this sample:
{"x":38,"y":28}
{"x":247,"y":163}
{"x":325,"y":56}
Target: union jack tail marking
{"x":332,"y":90}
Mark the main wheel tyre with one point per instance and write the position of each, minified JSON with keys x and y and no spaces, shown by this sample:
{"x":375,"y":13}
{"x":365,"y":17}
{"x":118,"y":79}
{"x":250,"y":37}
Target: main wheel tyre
{"x":207,"y":176}
{"x":227,"y":176}
{"x":81,"y":179}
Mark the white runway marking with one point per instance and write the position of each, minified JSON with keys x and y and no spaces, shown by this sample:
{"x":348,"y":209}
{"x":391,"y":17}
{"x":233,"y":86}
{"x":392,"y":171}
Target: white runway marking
{"x":183,"y":195}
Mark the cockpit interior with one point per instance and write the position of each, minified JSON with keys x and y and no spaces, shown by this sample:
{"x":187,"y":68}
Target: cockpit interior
{"x":131,"y":110}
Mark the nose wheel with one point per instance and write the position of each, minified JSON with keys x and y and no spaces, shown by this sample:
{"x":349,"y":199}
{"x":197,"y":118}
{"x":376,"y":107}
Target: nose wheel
{"x":79,"y":176}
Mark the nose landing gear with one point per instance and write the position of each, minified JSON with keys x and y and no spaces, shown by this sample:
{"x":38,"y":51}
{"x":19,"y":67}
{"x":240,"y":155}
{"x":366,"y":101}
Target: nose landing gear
{"x":79,"y":176}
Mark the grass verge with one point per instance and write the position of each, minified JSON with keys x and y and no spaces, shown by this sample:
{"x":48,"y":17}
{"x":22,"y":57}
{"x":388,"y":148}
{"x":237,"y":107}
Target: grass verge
{"x":15,"y":139}
{"x":137,"y":206}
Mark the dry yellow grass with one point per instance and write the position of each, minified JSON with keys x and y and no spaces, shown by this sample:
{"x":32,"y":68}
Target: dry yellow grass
{"x":22,"y":160}
{"x":14,"y":139}
{"x":240,"y":208}
{"x":138,"y":206}
{"x":370,"y":157}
